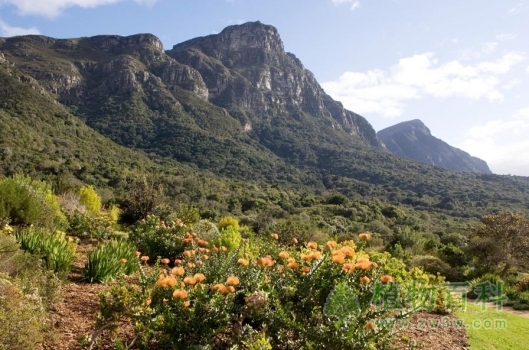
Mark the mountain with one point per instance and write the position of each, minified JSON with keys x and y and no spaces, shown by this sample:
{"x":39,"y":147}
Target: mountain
{"x":413,"y":140}
{"x":233,"y":105}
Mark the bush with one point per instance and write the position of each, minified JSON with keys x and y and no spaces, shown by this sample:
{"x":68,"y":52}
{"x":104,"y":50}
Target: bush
{"x":297,"y":299}
{"x":227,"y":221}
{"x":230,"y":238}
{"x":90,"y":199}
{"x":28,"y":202}
{"x":110,"y":260}
{"x":22,"y":317}
{"x":155,"y":238}
{"x":89,"y":225}
{"x":430,"y":264}
{"x":488,"y":277}
{"x":55,"y":250}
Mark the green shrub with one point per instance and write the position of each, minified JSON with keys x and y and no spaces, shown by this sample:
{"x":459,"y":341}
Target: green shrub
{"x":488,"y":277}
{"x":90,"y":199}
{"x":89,"y":225}
{"x":155,"y":238}
{"x":227,"y":221}
{"x":28,"y":202}
{"x":110,"y":260}
{"x":55,"y":249}
{"x":258,"y":302}
{"x":430,"y":264}
{"x":230,"y":238}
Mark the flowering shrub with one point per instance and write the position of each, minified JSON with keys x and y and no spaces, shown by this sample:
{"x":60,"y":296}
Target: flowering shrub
{"x":156,"y":238}
{"x":298,"y":297}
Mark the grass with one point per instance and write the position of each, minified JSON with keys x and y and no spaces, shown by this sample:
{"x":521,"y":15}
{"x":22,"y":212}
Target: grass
{"x":493,"y":329}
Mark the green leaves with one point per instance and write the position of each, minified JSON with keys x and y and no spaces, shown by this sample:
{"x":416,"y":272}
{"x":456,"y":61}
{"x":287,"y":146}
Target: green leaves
{"x":342,"y":304}
{"x":109,"y":260}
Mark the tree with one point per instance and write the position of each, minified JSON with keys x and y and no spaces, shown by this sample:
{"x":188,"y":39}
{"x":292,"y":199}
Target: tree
{"x":500,"y":243}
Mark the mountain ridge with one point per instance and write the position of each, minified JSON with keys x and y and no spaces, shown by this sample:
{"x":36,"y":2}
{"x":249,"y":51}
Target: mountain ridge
{"x":413,"y":139}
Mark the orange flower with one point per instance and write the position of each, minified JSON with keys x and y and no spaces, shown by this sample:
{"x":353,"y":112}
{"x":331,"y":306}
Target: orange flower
{"x":305,"y":269}
{"x":202,"y":243}
{"x":165,"y":261}
{"x":364,"y":236}
{"x":294,"y":241}
{"x":171,"y":281}
{"x":162,"y":283}
{"x":243,"y":262}
{"x":190,"y":265}
{"x":348,"y":267}
{"x":284,"y":255}
{"x":331,"y":244}
{"x":387,"y":279}
{"x":338,"y":259}
{"x":178,"y":271}
{"x":374,"y":264}
{"x":293,"y":265}
{"x":216,"y":286}
{"x":123,"y":261}
{"x":232,"y":281}
{"x":348,"y":251}
{"x":188,"y":253}
{"x":223,"y":248}
{"x":266,"y":261}
{"x":178,"y":262}
{"x":363,"y":265}
{"x":199,"y":277}
{"x":179,"y":294}
{"x":365,"y":279}
{"x":190,"y":280}
{"x":137,"y":253}
{"x":144,"y":258}
{"x":274,"y":236}
{"x":187,"y":303}
{"x":371,"y":326}
{"x":312,"y":245}
{"x":231,"y":289}
{"x":205,"y":257}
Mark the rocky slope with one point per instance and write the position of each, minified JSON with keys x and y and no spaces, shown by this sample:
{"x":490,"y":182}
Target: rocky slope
{"x":413,"y":140}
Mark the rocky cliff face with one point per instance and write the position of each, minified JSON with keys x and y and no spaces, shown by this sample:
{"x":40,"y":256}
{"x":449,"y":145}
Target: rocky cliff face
{"x":413,"y":140}
{"x":246,"y":65}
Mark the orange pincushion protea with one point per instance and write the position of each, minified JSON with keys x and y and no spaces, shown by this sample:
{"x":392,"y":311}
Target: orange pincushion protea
{"x":232,"y":281}
{"x":364,"y":236}
{"x":312,"y":245}
{"x":365,"y":279}
{"x":199,"y":277}
{"x":284,"y":255}
{"x":179,"y":294}
{"x":387,"y":279}
{"x":243,"y":262}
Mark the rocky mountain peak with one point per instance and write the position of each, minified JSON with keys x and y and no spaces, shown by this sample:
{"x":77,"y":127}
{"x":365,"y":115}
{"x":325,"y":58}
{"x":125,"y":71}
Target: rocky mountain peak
{"x":237,"y":38}
{"x":412,"y":139}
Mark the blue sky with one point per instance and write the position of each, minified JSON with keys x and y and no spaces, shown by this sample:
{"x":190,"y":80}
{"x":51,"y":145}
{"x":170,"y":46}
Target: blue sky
{"x":461,"y":66}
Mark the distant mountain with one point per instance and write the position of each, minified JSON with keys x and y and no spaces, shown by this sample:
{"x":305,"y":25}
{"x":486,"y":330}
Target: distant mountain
{"x":232,"y":105}
{"x":413,"y":140}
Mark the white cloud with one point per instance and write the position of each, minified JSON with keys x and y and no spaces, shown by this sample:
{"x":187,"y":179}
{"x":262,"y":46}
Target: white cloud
{"x":53,"y":8}
{"x":506,"y":36}
{"x":502,"y":143}
{"x":6,"y":30}
{"x":515,"y":9}
{"x":527,"y":69}
{"x":385,"y":92}
{"x":355,"y":4}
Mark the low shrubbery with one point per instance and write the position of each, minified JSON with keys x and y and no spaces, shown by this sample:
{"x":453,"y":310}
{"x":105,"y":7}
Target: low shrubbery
{"x":57,"y":251}
{"x":263,"y":295}
{"x":110,"y":260}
